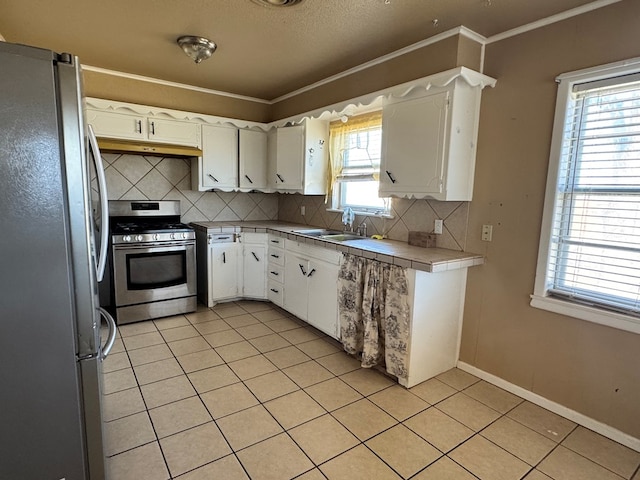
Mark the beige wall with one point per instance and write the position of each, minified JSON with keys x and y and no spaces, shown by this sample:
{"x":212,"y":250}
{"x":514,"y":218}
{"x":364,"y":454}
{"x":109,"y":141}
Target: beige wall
{"x":592,"y":369}
{"x":448,"y":53}
{"x":110,"y":87}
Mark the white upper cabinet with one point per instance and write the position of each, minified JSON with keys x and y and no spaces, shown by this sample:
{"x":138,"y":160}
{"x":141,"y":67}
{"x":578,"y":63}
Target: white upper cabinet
{"x":429,"y":138}
{"x":218,"y":166}
{"x":299,"y":157}
{"x":116,"y":125}
{"x":173,"y":131}
{"x":253,"y":159}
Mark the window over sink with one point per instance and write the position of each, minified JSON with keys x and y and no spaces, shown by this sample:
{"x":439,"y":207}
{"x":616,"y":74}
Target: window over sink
{"x":355,"y":150}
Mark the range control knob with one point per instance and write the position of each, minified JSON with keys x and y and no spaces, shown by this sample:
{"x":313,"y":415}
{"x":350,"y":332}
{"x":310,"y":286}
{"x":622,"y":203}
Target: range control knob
{"x":172,"y":236}
{"x":139,"y":238}
{"x":184,"y":235}
{"x":156,"y":236}
{"x":126,"y":238}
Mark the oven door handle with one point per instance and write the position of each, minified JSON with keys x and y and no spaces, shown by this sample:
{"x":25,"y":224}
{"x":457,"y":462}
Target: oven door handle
{"x":155,"y":248}
{"x":104,"y":205}
{"x":112,"y":333}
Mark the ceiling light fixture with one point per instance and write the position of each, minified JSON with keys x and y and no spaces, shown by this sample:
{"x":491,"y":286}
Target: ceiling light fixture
{"x":277,"y":3}
{"x":197,"y":48}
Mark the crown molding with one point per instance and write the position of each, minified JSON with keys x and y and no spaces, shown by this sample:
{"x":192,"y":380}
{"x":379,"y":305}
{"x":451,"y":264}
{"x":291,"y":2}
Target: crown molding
{"x":464,"y":31}
{"x":551,"y":20}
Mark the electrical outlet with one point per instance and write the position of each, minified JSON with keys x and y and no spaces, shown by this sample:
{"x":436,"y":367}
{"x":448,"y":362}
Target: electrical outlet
{"x":302,"y":210}
{"x":437,"y":227}
{"x":487,"y":233}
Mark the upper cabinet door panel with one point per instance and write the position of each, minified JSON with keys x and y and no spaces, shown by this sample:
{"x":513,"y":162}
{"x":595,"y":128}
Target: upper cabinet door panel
{"x":219,"y":157}
{"x":289,"y":157}
{"x":253,"y":159}
{"x":172,"y":131}
{"x":117,"y":125}
{"x":413,"y":145}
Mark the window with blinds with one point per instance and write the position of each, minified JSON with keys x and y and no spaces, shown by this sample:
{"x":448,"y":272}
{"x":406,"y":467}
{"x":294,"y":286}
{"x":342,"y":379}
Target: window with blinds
{"x":355,"y":149}
{"x":594,"y":251}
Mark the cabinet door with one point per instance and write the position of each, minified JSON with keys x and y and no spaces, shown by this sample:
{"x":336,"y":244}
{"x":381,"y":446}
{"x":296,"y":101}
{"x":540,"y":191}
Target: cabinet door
{"x":296,"y":269}
{"x":117,"y":125}
{"x":253,"y":159}
{"x":413,"y":139}
{"x":224,"y":271}
{"x":255,"y":271}
{"x":289,"y":157}
{"x":173,"y":131}
{"x":322,"y":308}
{"x":219,"y":157}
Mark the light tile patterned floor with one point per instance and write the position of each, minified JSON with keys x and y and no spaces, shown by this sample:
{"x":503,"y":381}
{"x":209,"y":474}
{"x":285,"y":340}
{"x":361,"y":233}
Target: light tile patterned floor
{"x":244,"y":390}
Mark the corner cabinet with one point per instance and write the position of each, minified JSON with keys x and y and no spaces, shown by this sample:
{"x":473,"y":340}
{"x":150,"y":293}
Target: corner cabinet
{"x":252,"y":151}
{"x":298,"y":157}
{"x":218,"y":166}
{"x":429,"y":138}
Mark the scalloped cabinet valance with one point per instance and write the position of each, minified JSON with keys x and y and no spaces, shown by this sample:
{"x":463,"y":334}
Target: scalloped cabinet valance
{"x":430,"y":128}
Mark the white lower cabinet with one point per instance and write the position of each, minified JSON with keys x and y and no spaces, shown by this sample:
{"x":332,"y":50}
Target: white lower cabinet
{"x":225,"y":271}
{"x":254,"y":265}
{"x":310,"y":290}
{"x":436,"y":302}
{"x":275,"y":270}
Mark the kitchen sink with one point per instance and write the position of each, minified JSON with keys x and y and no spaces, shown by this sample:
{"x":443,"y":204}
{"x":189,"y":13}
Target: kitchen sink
{"x":317,"y":232}
{"x":341,"y":237}
{"x":333,"y":235}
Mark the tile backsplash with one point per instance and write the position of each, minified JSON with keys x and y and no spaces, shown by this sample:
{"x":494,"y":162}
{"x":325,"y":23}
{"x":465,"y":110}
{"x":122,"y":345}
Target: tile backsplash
{"x":407,"y":215}
{"x":140,"y":177}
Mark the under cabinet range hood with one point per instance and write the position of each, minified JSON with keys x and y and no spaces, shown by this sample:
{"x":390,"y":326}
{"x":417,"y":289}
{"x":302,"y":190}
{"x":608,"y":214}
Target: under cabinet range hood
{"x":147,"y":148}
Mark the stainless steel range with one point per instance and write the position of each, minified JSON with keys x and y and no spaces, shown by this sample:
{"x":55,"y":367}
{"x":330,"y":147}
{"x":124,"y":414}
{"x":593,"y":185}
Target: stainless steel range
{"x":154,"y":260}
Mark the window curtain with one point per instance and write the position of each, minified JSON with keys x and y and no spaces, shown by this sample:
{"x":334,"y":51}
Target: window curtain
{"x":374,"y":313}
{"x":339,"y":135}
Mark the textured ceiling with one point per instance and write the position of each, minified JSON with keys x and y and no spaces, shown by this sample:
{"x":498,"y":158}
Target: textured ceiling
{"x":263,"y":52}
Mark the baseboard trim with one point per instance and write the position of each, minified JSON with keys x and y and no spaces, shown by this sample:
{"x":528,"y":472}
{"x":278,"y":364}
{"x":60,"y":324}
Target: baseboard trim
{"x":587,"y":422}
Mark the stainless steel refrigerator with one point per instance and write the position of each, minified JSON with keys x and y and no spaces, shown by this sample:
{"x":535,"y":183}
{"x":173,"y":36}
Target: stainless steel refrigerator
{"x":50,"y":346}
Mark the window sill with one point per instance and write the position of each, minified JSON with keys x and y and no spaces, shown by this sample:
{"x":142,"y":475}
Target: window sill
{"x":584,"y":312}
{"x":363,"y":213}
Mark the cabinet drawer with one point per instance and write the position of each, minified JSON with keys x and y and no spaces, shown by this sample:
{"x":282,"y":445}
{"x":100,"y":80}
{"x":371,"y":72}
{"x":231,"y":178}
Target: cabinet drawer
{"x":253,"y":238}
{"x":276,"y":241}
{"x":275,"y":273}
{"x":276,"y":255}
{"x":274,"y":292}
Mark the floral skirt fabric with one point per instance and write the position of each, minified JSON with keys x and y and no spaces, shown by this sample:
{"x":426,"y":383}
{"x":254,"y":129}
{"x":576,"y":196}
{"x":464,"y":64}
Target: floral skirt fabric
{"x":374,"y":313}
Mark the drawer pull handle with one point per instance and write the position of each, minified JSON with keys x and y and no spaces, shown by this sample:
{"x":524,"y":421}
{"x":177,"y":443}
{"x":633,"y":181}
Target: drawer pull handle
{"x":139,"y":122}
{"x":153,"y":128}
{"x":274,"y":290}
{"x":311,"y":272}
{"x":275,"y":256}
{"x":302,"y":269}
{"x":275,"y":273}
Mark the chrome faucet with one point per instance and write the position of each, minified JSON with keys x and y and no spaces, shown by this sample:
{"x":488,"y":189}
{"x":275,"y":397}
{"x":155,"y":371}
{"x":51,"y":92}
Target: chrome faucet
{"x":347,"y":218}
{"x":362,"y":229}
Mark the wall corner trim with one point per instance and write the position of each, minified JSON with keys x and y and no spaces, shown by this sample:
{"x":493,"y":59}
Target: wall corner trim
{"x":587,"y":422}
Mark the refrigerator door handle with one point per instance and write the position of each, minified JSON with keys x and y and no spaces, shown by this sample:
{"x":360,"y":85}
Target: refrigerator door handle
{"x":104,"y":205}
{"x":112,"y":333}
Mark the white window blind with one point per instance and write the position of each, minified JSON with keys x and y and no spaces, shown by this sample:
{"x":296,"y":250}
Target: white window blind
{"x":594,"y":254}
{"x":355,"y":148}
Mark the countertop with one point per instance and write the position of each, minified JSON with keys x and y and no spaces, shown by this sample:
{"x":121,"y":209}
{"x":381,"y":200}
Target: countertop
{"x":390,"y":251}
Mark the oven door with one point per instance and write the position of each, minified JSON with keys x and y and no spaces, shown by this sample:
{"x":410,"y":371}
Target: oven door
{"x":152,"y":272}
